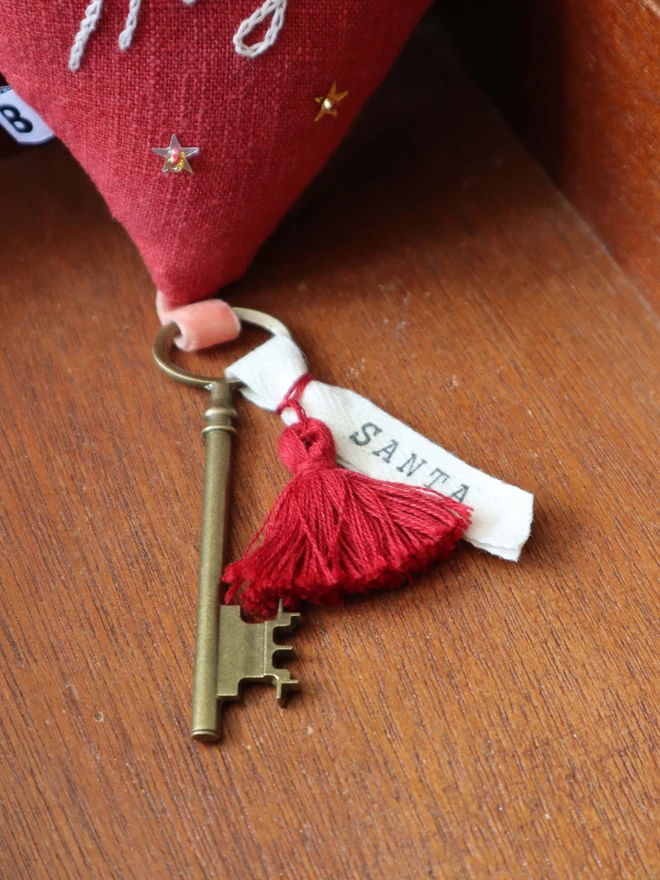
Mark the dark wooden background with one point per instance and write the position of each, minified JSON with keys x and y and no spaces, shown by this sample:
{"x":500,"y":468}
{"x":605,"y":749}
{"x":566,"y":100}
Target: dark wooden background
{"x":580,"y":84}
{"x":493,"y":721}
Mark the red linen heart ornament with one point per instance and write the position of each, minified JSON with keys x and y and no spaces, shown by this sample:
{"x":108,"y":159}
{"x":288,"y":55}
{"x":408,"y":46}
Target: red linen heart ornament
{"x":259,"y":93}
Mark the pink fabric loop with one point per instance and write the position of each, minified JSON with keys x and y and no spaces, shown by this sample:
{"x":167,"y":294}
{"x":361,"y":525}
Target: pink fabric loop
{"x":202,"y":324}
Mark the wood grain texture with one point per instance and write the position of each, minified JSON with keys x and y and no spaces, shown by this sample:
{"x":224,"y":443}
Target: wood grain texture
{"x":580,"y":84}
{"x":493,"y":721}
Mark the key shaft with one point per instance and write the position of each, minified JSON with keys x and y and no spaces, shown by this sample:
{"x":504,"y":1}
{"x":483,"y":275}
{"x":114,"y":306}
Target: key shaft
{"x":218,"y":435}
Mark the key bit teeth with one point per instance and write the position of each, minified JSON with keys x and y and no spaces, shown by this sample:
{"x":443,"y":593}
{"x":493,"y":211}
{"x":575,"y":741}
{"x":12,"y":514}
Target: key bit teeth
{"x":279,"y":673}
{"x":283,"y":688}
{"x":248,"y":652}
{"x":286,"y":618}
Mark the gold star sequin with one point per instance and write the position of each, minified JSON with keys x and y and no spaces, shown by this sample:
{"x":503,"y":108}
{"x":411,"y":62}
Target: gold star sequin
{"x":175,"y":156}
{"x":328,"y":103}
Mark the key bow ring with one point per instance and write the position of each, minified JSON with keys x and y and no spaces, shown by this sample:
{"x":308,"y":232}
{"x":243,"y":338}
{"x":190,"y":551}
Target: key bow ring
{"x":163,"y":342}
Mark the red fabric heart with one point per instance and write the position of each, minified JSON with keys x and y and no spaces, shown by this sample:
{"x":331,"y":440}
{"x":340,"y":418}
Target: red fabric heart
{"x":253,"y":119}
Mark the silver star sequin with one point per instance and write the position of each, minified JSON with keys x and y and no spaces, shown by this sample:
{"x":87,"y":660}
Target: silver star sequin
{"x":176,"y":156}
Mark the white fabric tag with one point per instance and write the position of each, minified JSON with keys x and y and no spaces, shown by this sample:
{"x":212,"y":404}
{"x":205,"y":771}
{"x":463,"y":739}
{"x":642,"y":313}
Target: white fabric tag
{"x":370,"y":441}
{"x":20,"y":120}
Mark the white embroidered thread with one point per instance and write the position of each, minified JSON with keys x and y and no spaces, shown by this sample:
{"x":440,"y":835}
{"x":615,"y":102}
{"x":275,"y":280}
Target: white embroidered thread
{"x":126,"y":36}
{"x":275,"y":9}
{"x":87,"y":27}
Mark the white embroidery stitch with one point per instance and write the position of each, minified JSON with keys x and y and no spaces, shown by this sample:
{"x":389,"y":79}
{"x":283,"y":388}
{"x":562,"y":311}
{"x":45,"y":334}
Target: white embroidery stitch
{"x":87,"y":27}
{"x":126,"y":36}
{"x":273,"y":8}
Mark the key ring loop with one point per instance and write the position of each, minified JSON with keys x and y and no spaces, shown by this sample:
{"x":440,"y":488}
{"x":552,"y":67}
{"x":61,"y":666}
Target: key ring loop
{"x":162,"y":346}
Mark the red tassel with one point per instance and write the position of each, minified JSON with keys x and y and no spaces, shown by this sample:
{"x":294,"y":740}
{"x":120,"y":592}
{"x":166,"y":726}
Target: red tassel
{"x":333,"y":532}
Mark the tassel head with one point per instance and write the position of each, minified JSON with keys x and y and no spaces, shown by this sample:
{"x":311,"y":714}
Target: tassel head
{"x":307,"y":446}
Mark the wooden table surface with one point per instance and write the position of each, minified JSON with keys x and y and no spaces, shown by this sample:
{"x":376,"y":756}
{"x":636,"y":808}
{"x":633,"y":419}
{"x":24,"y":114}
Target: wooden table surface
{"x":493,"y":721}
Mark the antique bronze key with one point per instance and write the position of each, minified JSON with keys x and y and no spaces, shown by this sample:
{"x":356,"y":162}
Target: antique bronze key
{"x":229,"y":650}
